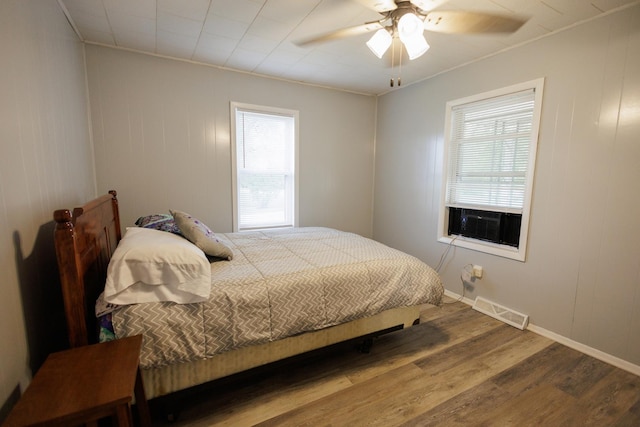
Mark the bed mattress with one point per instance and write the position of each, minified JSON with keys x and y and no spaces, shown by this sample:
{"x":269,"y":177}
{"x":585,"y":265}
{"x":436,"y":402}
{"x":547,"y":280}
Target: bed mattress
{"x":280,"y":283}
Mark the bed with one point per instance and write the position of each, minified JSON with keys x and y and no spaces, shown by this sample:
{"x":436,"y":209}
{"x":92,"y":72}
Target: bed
{"x":245,"y":320}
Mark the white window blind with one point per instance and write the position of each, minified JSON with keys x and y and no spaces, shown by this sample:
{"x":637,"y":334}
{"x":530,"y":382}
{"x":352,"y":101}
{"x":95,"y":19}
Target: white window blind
{"x":489,"y":153}
{"x":265,"y":153}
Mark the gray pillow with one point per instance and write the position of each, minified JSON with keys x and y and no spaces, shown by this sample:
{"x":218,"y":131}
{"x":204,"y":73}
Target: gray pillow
{"x":201,"y":235}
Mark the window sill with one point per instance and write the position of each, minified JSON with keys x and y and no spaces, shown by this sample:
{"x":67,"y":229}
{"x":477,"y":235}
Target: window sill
{"x":486,"y":247}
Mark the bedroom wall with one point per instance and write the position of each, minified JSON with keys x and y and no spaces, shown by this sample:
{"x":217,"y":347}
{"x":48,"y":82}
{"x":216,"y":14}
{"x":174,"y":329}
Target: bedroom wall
{"x":162,"y":139}
{"x":45,"y":164}
{"x":581,"y":279}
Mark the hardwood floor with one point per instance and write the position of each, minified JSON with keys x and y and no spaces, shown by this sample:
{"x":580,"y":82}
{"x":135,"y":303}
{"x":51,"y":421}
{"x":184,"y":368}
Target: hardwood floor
{"x":457,"y":368}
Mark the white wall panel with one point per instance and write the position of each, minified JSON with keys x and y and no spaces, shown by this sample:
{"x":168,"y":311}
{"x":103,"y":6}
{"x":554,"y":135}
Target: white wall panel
{"x":580,"y":279}
{"x":161,"y":131}
{"x":45,"y":164}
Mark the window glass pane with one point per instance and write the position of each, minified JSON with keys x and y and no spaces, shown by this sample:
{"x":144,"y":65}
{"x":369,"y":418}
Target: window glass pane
{"x":489,"y":152}
{"x":265,"y":152}
{"x":265,"y":141}
{"x":262,"y":199}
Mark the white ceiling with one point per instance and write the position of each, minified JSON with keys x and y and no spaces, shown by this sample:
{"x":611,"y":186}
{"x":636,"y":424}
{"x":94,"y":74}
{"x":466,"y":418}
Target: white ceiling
{"x":257,"y":36}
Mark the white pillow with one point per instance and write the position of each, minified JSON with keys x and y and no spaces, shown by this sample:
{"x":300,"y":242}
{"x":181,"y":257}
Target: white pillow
{"x":151,"y":266}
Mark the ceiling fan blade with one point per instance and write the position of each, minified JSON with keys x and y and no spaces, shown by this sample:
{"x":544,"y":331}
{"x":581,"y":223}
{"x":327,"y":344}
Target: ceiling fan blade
{"x":339,"y":34}
{"x":379,"y":6}
{"x":427,"y":5}
{"x":451,"y":21}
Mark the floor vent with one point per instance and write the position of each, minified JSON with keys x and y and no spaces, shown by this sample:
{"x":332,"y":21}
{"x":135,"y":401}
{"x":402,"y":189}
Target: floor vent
{"x":499,"y":312}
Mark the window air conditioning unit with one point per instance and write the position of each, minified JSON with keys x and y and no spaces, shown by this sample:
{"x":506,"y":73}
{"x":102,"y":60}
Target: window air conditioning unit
{"x":497,"y":227}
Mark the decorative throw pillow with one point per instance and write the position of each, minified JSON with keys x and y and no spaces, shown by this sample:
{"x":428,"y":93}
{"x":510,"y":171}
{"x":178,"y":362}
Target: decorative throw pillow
{"x":162,"y":222}
{"x":201,"y":235}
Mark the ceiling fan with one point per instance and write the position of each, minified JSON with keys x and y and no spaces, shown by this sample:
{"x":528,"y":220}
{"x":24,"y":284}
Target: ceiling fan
{"x":406,"y":20}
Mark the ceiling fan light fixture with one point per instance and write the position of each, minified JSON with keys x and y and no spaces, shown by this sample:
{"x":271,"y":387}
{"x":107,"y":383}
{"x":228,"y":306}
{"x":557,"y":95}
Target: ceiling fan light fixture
{"x":409,"y":26}
{"x":416,"y":46}
{"x":410,"y":30}
{"x":380,"y":42}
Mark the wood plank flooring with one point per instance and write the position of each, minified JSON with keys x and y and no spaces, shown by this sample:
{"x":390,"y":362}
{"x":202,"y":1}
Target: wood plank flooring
{"x":457,"y":368}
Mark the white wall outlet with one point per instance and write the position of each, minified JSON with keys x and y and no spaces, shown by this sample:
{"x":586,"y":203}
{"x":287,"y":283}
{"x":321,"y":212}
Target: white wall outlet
{"x":477,"y":271}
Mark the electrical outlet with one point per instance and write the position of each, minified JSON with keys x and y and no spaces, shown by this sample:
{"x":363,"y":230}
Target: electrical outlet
{"x":477,"y":271}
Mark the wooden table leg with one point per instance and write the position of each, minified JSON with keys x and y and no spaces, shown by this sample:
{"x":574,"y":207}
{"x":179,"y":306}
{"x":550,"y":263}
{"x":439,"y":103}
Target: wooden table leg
{"x":123,"y":414}
{"x":141,"y":401}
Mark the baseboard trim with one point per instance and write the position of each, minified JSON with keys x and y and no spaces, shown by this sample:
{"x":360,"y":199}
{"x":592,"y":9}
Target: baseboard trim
{"x":583,"y":348}
{"x":589,"y":351}
{"x":458,"y":297}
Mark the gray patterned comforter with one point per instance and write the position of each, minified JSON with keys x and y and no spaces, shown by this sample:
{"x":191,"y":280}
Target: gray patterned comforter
{"x":280,"y":283}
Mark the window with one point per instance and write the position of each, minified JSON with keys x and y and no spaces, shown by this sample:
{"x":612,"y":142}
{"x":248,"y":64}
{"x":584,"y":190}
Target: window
{"x":490,"y":150}
{"x":264,"y":163}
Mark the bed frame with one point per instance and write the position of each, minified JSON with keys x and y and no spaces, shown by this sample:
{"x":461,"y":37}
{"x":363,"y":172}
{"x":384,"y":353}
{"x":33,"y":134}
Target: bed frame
{"x":86,"y":237}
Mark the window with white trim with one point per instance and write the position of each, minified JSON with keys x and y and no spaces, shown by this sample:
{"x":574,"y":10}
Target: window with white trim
{"x":490,"y":151}
{"x":264,"y":166}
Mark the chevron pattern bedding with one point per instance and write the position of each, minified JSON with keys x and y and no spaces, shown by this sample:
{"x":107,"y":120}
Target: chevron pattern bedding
{"x":280,"y":283}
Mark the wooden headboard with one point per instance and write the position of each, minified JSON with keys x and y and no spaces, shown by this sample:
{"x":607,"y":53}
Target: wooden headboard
{"x":85,"y":238}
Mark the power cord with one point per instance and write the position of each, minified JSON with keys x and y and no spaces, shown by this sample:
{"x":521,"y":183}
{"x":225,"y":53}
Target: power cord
{"x":444,"y":255}
{"x":464,"y":288}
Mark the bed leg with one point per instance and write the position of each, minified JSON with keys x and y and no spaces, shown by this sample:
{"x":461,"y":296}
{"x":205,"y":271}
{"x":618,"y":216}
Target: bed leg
{"x":167,"y":411}
{"x":365,"y":345}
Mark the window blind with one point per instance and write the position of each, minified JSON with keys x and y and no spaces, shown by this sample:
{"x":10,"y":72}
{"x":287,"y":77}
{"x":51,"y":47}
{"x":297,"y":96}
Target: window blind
{"x":265,"y":167}
{"x":489,"y":152}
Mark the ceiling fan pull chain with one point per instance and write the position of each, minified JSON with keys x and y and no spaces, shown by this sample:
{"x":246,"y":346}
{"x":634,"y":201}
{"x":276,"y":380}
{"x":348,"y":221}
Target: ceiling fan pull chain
{"x":393,"y":62}
{"x":400,"y":65}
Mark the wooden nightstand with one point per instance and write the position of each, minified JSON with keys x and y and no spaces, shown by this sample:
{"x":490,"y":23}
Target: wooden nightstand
{"x":85,"y":384}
